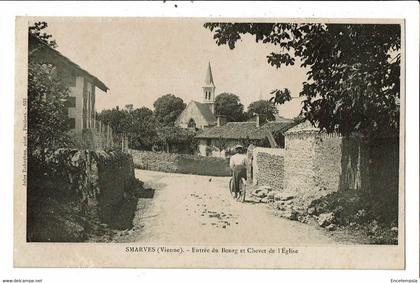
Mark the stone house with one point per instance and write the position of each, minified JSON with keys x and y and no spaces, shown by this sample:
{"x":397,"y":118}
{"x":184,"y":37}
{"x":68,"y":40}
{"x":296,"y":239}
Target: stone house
{"x":82,"y":87}
{"x":212,"y":141}
{"x":200,"y":115}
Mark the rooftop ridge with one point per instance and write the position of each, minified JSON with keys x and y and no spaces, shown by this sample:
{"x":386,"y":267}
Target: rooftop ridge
{"x":236,"y":122}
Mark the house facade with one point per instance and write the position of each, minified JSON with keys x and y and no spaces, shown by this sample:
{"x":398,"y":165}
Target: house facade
{"x":217,"y":140}
{"x":200,"y":115}
{"x":82,"y":94}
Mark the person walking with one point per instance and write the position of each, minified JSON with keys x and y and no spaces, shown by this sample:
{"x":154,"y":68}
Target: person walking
{"x":238,"y":164}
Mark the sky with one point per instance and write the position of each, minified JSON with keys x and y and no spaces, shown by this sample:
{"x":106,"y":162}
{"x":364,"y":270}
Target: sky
{"x":141,"y":59}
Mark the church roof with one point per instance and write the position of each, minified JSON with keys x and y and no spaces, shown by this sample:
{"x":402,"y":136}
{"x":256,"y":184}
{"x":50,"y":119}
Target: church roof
{"x":205,"y":111}
{"x":244,"y":130}
{"x":209,"y":77}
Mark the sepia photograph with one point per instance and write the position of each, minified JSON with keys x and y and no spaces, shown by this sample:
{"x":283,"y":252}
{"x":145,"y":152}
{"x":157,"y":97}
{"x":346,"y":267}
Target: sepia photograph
{"x":205,"y":135}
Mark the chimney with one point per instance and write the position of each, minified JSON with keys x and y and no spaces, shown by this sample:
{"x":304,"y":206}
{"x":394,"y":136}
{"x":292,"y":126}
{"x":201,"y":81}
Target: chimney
{"x":221,"y":120}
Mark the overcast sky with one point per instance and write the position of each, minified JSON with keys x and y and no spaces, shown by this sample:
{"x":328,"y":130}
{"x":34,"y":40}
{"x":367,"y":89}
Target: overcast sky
{"x":142,"y":59}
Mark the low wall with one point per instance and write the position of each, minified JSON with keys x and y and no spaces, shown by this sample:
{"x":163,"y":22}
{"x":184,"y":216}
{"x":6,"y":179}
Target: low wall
{"x":317,"y":164}
{"x":268,"y":167}
{"x":180,"y":163}
{"x":312,"y":164}
{"x":115,"y":180}
{"x":83,"y":188}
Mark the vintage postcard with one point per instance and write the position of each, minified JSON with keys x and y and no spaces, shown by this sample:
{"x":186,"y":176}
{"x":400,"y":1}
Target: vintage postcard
{"x":209,"y":143}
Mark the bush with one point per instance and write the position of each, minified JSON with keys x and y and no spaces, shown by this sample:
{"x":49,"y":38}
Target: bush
{"x":358,"y":206}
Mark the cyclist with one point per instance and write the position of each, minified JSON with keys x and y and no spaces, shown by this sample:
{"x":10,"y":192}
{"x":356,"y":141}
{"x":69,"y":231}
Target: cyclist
{"x":238,"y":164}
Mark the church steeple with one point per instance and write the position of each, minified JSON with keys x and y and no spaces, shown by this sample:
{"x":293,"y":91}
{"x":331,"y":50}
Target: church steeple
{"x":209,"y":89}
{"x":209,"y":77}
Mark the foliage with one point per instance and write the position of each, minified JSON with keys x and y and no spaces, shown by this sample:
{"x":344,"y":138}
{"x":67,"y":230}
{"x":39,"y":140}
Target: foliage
{"x":229,"y":105}
{"x":281,"y":96}
{"x":139,"y":124}
{"x":47,"y":116}
{"x":36,"y":30}
{"x":119,"y":119}
{"x":220,"y":143}
{"x":167,"y":109}
{"x":246,"y":142}
{"x":144,"y":128}
{"x":182,"y":139}
{"x":353,"y":70}
{"x":266,"y":109}
{"x":146,"y":132}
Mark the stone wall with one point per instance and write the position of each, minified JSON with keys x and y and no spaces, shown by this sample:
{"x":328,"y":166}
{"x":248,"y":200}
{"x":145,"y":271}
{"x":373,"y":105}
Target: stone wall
{"x":80,"y":189}
{"x":268,"y":167}
{"x":180,"y":163}
{"x":116,"y":179}
{"x":317,"y":164}
{"x":312,"y":164}
{"x":299,"y":160}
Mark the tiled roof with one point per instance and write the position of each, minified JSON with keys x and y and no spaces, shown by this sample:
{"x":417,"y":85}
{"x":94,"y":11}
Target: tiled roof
{"x":53,"y":54}
{"x":244,"y":130}
{"x":206,"y":112}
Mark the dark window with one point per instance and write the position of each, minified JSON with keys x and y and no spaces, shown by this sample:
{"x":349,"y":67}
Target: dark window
{"x":70,"y":102}
{"x":72,"y":123}
{"x":192,"y":124}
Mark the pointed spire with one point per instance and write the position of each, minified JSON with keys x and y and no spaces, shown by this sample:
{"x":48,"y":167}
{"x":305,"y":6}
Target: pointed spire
{"x":209,"y":77}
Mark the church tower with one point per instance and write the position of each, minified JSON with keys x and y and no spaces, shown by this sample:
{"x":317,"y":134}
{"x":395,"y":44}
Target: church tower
{"x":209,"y":90}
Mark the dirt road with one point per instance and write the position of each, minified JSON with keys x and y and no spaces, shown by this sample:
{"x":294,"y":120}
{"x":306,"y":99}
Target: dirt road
{"x":188,"y":209}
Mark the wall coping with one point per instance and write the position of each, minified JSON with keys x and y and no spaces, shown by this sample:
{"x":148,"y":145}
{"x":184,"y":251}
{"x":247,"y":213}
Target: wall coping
{"x":274,"y":151}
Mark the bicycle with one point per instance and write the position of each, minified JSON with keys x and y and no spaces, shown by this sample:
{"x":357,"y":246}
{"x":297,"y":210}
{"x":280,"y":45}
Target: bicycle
{"x":239,"y":196}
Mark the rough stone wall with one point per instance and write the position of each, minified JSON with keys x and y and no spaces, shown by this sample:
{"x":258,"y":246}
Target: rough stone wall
{"x":180,"y":163}
{"x":299,"y":160}
{"x":115,"y":180}
{"x":268,"y":167}
{"x":317,"y":164}
{"x":80,"y":183}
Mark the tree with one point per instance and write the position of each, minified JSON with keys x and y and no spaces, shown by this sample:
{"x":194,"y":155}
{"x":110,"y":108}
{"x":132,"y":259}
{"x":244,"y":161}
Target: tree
{"x":144,"y":131}
{"x":36,"y":30}
{"x":181,"y":139}
{"x":48,"y":123}
{"x":168,"y":108}
{"x":263,"y":107}
{"x":47,"y":117}
{"x":353,"y":78}
{"x":120,"y":121}
{"x":139,"y":124}
{"x":229,"y":105}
